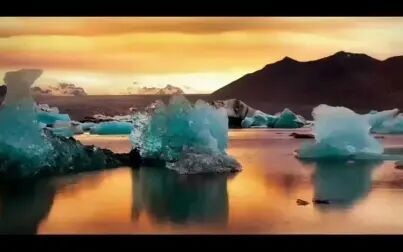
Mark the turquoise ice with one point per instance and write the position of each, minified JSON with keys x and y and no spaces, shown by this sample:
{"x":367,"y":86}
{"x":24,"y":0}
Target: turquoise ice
{"x":50,"y":118}
{"x":190,"y":138}
{"x":112,"y":128}
{"x":28,"y":148}
{"x":340,"y":133}
{"x":285,"y":119}
{"x":386,"y":122}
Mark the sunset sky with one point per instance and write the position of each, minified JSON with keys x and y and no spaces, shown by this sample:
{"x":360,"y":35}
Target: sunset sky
{"x":199,"y":54}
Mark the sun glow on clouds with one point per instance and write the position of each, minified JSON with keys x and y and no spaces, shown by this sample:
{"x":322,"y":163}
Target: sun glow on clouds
{"x":200,"y":55}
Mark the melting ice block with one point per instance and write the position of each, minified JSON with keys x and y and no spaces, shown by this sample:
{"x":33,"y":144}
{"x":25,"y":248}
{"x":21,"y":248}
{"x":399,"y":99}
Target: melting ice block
{"x":112,"y":128}
{"x":386,"y":122}
{"x":28,"y":149}
{"x":340,"y":133}
{"x":50,"y":118}
{"x":190,"y":138}
{"x":21,"y":136}
{"x":285,"y":119}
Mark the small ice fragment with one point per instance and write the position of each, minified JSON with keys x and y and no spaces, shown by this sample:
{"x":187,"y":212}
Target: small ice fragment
{"x":112,"y":128}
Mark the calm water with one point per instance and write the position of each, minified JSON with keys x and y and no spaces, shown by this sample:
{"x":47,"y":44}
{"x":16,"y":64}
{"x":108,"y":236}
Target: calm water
{"x":366,"y":197}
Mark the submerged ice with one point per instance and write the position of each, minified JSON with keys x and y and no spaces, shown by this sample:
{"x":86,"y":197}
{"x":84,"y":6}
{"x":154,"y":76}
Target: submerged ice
{"x":340,"y":133}
{"x":189,"y":138}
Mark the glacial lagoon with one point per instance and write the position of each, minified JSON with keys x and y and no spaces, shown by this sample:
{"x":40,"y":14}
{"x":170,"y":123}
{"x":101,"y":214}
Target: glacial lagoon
{"x":354,"y":196}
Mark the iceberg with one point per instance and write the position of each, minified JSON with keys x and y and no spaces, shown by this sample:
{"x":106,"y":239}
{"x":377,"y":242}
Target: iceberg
{"x":49,"y":118}
{"x":112,"y":128}
{"x":376,"y":119}
{"x":340,"y":133}
{"x":240,"y":113}
{"x":391,"y":126}
{"x":386,"y":122}
{"x":286,"y":119}
{"x":188,"y":138}
{"x":27,"y":149}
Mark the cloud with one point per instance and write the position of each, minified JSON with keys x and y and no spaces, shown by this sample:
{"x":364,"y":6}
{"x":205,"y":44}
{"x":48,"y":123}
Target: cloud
{"x":62,"y":89}
{"x":95,"y":26}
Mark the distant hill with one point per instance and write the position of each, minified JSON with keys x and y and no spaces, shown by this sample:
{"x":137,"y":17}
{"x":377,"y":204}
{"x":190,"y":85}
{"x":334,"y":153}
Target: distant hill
{"x":61,"y":89}
{"x":167,"y":90}
{"x":354,"y":80}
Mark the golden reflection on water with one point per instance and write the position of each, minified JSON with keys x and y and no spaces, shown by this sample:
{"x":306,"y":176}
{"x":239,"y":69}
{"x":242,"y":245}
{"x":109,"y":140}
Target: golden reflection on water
{"x":366,"y":196}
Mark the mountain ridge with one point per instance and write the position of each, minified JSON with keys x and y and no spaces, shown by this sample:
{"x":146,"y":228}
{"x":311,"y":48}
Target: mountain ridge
{"x":337,"y":79}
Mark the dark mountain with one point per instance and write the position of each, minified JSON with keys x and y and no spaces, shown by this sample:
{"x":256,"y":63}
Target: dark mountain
{"x":354,"y":80}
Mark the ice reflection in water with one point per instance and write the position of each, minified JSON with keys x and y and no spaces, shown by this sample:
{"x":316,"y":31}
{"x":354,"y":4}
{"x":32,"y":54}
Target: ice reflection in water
{"x":342,"y":183}
{"x":23,"y":207}
{"x":180,"y":199}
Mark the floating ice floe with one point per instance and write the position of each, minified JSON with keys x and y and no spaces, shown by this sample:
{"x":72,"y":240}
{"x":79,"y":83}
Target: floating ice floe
{"x":49,"y":118}
{"x":340,"y":133}
{"x":189,"y":138}
{"x":285,"y":119}
{"x":27,"y":148}
{"x":386,"y":122}
{"x":248,"y":117}
{"x":112,"y":128}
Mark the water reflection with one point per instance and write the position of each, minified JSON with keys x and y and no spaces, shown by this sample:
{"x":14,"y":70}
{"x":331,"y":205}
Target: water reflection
{"x":24,"y":206}
{"x":169,"y":197}
{"x":342,"y":183}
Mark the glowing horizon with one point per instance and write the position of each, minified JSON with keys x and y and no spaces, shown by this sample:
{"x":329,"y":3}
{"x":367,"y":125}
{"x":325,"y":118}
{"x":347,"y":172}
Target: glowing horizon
{"x":199,"y":54}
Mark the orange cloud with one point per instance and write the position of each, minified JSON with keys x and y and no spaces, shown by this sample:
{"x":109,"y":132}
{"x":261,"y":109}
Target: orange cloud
{"x":187,"y":47}
{"x":94,"y":26}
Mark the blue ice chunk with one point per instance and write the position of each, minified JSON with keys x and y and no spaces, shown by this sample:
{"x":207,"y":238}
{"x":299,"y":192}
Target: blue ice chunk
{"x":340,"y":133}
{"x":21,"y":136}
{"x":190,"y":138}
{"x":27,"y":149}
{"x":376,"y":119}
{"x":271,"y":120}
{"x":247,"y":122}
{"x":112,"y":128}
{"x":386,"y":122}
{"x":259,"y":120}
{"x":287,"y":119}
{"x":50,"y":118}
